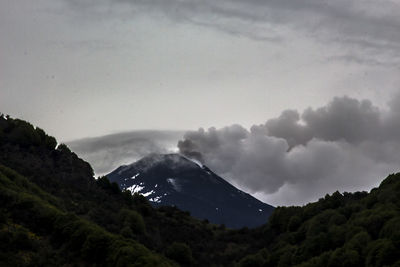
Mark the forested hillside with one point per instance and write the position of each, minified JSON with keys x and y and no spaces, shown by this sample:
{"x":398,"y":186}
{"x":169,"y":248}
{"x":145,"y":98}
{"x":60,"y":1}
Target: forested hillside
{"x":54,"y":213}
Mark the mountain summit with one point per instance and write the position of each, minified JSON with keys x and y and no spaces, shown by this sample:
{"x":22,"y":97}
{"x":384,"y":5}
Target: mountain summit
{"x":173,"y":180}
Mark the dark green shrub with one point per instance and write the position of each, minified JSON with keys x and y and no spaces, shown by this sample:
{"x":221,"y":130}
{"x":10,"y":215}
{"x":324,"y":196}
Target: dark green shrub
{"x":180,"y":252}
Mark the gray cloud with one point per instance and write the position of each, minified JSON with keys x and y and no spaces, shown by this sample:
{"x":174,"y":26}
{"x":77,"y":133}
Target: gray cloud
{"x":105,"y":153}
{"x":288,"y":127}
{"x":347,"y":144}
{"x":342,"y":119}
{"x":369,"y":25}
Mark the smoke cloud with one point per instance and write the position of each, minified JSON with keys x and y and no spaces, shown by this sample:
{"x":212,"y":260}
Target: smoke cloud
{"x":106,"y":153}
{"x":297,"y":157}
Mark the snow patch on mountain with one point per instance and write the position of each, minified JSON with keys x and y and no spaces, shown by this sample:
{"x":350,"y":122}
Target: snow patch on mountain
{"x":148,"y":193}
{"x":156,"y":199}
{"x":135,"y":188}
{"x":174,"y":184}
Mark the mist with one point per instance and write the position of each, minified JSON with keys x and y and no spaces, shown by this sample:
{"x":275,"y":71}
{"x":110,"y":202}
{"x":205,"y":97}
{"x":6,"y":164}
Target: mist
{"x":106,"y":153}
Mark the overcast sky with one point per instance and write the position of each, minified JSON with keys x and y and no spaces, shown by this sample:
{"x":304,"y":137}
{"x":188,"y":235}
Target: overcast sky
{"x":81,"y":68}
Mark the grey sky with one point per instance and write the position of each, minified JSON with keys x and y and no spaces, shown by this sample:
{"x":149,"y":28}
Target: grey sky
{"x":83,"y":68}
{"x":87,"y":68}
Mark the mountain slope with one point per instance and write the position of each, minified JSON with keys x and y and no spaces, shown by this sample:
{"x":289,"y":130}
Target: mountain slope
{"x":173,"y":180}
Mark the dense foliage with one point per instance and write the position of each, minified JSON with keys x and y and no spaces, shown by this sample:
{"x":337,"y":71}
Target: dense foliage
{"x":356,"y":229}
{"x":54,"y":213}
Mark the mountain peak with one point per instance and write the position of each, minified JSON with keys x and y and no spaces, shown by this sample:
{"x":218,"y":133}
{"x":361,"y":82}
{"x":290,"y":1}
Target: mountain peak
{"x":154,"y":160}
{"x":174,"y":180}
{"x":172,"y":159}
